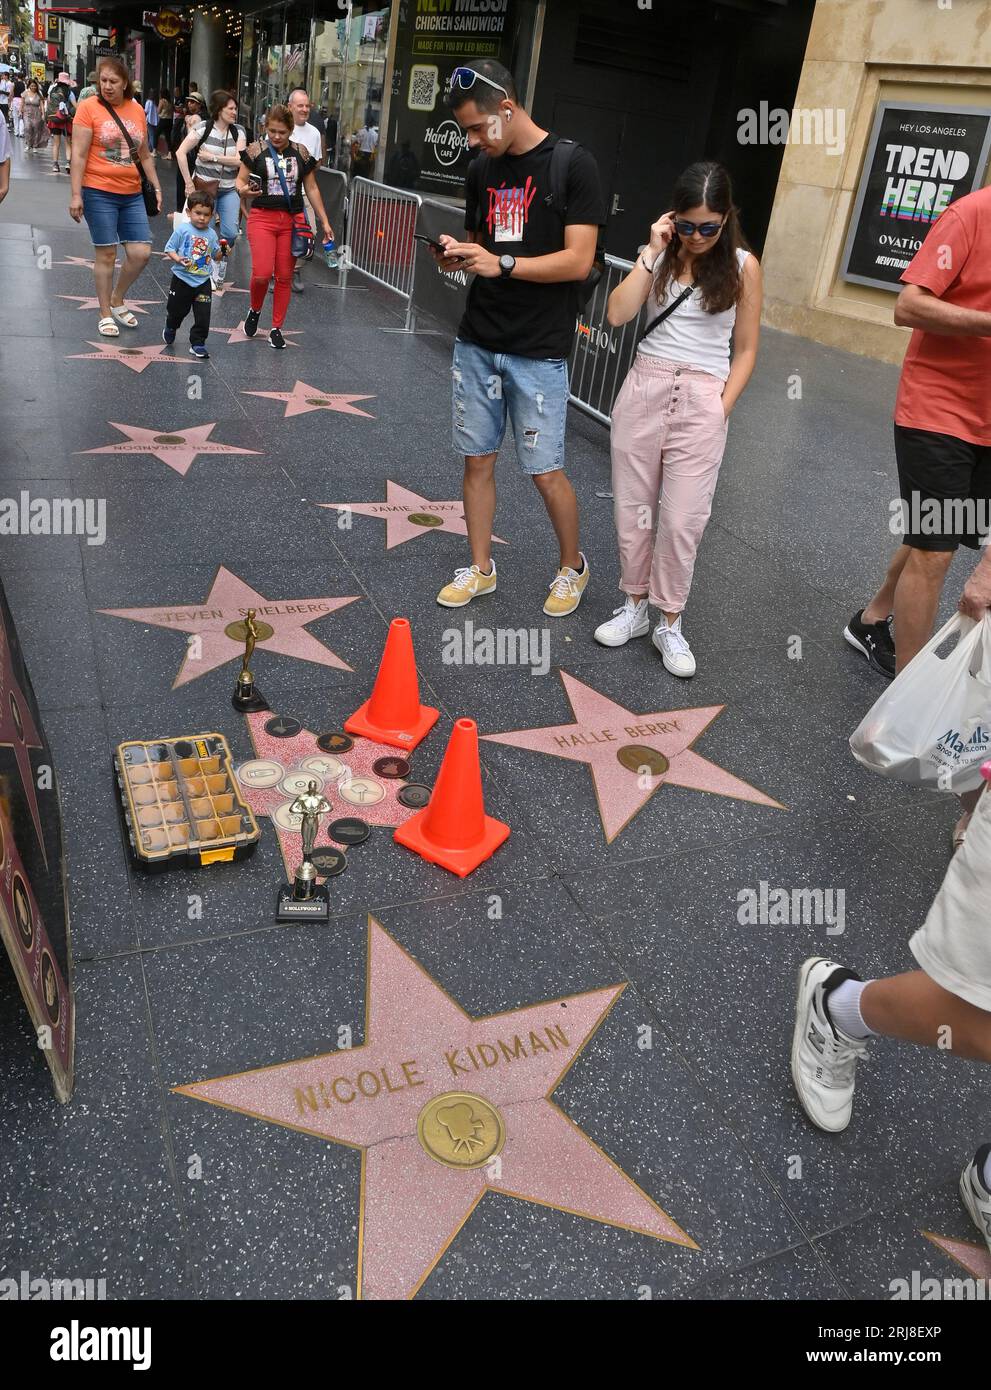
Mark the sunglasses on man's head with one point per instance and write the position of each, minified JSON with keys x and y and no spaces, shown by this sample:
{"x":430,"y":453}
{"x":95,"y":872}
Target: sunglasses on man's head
{"x":706,"y":229}
{"x":467,"y":77}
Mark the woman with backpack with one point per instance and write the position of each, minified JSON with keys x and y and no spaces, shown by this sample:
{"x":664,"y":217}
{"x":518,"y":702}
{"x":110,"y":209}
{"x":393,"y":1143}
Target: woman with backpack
{"x":209,"y":159}
{"x":702,"y":286}
{"x":58,"y":118}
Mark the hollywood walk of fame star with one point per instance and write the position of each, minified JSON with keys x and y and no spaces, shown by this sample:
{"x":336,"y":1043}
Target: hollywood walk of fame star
{"x":221,"y":290}
{"x":631,"y":756}
{"x":300,"y":751}
{"x":976,"y":1259}
{"x":79,"y":260}
{"x":178,"y":448}
{"x":303,"y":398}
{"x":137,"y":358}
{"x":282,"y":625}
{"x":19,"y":732}
{"x":420,"y":1045}
{"x":406,"y":514}
{"x":238,"y":335}
{"x":83,"y":303}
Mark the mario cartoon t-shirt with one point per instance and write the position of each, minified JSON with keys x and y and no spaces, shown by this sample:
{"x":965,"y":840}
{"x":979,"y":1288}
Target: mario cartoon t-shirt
{"x":196,"y":247}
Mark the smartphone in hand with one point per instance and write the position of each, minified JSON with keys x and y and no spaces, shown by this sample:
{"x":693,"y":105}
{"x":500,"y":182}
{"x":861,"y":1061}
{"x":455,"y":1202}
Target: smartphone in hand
{"x":434,"y":245}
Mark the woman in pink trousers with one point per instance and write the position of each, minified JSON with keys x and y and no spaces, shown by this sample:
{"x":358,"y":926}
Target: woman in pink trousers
{"x":702,"y":287}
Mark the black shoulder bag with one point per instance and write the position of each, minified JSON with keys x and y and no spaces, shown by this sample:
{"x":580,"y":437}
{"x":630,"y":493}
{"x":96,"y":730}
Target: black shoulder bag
{"x":147,"y":187}
{"x":665,"y":312}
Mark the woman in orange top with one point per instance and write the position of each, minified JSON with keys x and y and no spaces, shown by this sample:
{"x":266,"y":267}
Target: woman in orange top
{"x":106,"y":189}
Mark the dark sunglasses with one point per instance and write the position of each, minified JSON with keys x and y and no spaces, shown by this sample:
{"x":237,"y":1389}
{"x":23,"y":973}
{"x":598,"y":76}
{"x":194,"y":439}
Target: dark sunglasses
{"x":467,"y":77}
{"x":706,"y":229}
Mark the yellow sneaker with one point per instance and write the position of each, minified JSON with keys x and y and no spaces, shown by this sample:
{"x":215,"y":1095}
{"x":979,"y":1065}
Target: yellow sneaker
{"x":567,"y":588}
{"x":467,"y":584}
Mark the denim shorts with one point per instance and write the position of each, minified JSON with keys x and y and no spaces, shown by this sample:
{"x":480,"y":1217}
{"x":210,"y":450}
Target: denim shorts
{"x":115,"y":217}
{"x":531,"y":391}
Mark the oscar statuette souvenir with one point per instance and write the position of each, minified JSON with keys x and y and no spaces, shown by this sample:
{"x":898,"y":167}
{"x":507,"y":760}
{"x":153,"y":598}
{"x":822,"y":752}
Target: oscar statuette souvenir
{"x":246,"y":699}
{"x":305,"y":900}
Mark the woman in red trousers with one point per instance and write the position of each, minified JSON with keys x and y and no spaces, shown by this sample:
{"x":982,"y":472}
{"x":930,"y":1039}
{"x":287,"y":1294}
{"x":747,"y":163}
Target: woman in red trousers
{"x":273,"y":175}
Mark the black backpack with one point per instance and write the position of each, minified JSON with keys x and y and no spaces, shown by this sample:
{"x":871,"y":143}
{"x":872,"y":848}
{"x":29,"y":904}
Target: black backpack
{"x":562,"y":154}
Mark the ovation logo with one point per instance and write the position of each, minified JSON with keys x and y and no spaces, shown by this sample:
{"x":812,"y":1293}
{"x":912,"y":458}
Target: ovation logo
{"x":594,"y":338}
{"x":449,"y":142}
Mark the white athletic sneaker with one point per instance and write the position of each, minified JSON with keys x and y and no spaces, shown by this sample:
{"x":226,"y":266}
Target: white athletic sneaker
{"x":976,"y":1197}
{"x":674,"y":649}
{"x":632,"y":620}
{"x":823,"y":1060}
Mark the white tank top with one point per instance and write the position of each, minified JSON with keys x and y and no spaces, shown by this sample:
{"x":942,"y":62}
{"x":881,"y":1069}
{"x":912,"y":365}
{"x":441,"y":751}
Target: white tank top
{"x":689,"y":335}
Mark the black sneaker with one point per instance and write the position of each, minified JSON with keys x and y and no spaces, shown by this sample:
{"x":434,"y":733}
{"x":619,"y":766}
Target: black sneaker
{"x":168,"y":336}
{"x":275,"y":338}
{"x":251,"y":322}
{"x":874,"y":640}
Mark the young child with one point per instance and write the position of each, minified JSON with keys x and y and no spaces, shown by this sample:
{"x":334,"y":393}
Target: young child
{"x":193,"y":246}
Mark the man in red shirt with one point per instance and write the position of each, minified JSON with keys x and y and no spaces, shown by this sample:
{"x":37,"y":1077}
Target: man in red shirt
{"x":942,"y":430}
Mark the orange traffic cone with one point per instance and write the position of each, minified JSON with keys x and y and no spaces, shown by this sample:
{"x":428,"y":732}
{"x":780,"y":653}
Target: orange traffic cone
{"x":394,"y":714}
{"x":453,"y":829}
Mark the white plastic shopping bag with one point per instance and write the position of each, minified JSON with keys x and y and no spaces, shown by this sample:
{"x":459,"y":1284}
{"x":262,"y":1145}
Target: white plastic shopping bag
{"x":932,"y":726}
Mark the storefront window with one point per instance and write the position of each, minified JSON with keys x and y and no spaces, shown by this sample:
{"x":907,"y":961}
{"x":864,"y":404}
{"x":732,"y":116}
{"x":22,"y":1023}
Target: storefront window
{"x":347,"y":78}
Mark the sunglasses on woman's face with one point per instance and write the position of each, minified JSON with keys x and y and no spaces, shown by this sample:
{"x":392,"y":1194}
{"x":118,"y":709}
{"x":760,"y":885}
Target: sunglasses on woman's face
{"x":706,"y":229}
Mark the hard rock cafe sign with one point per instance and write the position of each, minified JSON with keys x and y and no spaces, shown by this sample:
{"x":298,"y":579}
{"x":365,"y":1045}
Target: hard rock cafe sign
{"x":166,"y":23}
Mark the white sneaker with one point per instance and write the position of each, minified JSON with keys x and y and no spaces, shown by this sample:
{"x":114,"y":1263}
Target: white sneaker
{"x":632,"y":620}
{"x":674,"y":649}
{"x":823,"y":1060}
{"x":976,"y":1197}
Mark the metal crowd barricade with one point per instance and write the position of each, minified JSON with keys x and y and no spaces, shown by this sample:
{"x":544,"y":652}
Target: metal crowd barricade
{"x":602,"y":356}
{"x":381,"y":223}
{"x":333,"y":184}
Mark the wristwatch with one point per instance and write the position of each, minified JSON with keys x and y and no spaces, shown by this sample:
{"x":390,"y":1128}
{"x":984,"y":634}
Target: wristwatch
{"x":507,"y":264}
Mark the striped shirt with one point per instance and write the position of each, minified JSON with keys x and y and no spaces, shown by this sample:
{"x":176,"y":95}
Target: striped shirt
{"x":219,"y":144}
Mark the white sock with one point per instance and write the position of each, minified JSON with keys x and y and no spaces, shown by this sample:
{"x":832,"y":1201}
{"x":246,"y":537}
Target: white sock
{"x":987,"y":1172}
{"x":843,"y":1007}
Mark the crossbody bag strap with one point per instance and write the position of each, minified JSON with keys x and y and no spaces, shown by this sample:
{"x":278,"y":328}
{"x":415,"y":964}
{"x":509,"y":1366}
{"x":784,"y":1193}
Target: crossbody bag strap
{"x":124,"y":131}
{"x":665,"y":312}
{"x":282,"y":178}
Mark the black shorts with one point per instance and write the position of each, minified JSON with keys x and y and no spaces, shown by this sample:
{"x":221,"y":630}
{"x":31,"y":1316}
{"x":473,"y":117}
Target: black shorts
{"x":945,"y":487}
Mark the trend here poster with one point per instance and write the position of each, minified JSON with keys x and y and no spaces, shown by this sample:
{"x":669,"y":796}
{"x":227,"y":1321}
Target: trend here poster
{"x":434,"y":37}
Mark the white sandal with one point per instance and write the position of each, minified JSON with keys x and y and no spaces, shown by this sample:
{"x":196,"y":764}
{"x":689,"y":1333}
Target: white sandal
{"x":107,"y":328}
{"x":123,"y":315}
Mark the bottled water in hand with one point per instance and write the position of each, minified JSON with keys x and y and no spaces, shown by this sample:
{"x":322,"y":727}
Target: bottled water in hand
{"x":330,"y":253}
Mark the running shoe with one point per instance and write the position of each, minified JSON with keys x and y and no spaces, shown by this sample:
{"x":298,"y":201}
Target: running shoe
{"x":275,"y":338}
{"x":251,"y":322}
{"x":199,"y":351}
{"x":168,"y":336}
{"x":566,"y":589}
{"x":823,"y":1060}
{"x":975,"y":1195}
{"x":874,"y":641}
{"x":467,"y":584}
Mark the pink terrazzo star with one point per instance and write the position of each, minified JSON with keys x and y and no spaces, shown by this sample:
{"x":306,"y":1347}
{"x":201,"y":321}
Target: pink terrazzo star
{"x":421,"y":1044}
{"x":976,"y":1259}
{"x":602,"y":728}
{"x":291,"y":752}
{"x":137,"y":358}
{"x":19,"y":732}
{"x":228,"y":289}
{"x":228,"y":602}
{"x":80,"y":261}
{"x":302,"y":399}
{"x":177,"y":447}
{"x":82,"y":302}
{"x":238,"y":335}
{"x":401,"y":506}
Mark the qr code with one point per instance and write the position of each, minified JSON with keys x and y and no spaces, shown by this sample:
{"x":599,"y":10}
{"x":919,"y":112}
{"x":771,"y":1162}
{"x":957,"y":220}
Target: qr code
{"x":423,"y":87}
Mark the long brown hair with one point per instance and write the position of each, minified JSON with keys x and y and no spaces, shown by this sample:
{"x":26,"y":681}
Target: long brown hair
{"x":717,"y":271}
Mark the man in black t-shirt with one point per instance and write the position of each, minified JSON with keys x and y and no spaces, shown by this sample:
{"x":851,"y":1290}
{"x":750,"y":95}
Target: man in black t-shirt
{"x":510,"y":356}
